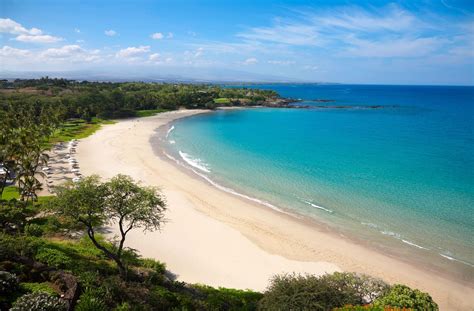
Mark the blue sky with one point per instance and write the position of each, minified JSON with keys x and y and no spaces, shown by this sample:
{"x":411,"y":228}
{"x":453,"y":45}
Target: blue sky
{"x":386,"y":42}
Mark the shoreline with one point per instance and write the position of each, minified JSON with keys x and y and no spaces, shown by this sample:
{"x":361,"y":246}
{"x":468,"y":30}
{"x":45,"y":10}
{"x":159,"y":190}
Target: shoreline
{"x":399,"y":248}
{"x":262,"y":241}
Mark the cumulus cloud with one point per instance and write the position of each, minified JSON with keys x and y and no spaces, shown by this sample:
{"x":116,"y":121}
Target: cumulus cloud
{"x":110,"y":33}
{"x":7,"y":52}
{"x":38,"y":39}
{"x":24,"y":34}
{"x":133,"y":52}
{"x":250,"y":61}
{"x":8,"y":25}
{"x":158,"y":59}
{"x":70,"y":53}
{"x":157,"y":36}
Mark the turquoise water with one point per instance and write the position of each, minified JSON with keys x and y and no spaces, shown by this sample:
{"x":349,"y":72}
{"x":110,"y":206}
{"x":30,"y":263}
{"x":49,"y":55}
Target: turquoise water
{"x":400,"y":177}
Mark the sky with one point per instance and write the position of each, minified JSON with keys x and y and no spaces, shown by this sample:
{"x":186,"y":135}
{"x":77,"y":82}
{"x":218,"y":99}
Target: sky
{"x":366,"y":42}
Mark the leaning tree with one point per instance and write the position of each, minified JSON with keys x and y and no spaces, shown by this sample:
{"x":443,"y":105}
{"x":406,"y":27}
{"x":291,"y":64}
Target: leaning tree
{"x":120,"y":203}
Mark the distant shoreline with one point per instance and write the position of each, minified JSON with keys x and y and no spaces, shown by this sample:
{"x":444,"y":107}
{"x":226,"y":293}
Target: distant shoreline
{"x":303,"y":247}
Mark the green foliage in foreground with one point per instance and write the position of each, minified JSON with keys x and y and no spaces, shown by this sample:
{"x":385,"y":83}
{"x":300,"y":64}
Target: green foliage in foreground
{"x":39,"y":301}
{"x":403,"y":296}
{"x":31,"y":266}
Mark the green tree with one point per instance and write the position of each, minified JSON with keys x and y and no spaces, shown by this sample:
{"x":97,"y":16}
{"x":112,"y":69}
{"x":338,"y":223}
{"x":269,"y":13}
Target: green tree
{"x":403,"y":296}
{"x":305,"y":292}
{"x":119,"y":202}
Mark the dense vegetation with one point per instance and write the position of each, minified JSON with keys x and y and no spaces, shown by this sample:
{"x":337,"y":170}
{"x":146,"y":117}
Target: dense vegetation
{"x":106,"y":100}
{"x":52,"y":253}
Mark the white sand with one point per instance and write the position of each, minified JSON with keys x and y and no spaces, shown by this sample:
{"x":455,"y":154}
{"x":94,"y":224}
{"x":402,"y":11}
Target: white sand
{"x":216,"y":238}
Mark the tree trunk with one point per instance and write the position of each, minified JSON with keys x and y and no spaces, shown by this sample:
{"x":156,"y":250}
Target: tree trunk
{"x":121,"y":267}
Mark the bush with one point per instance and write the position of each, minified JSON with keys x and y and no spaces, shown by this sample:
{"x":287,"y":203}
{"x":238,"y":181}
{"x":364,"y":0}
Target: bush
{"x":53,"y":257}
{"x":362,"y":287}
{"x":90,"y":300}
{"x":39,"y":301}
{"x":228,"y":298}
{"x":8,"y":283}
{"x":306,"y":292}
{"x":33,"y":230}
{"x":404,"y":297}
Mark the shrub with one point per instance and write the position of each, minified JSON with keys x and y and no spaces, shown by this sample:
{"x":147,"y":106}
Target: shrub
{"x":157,"y":266}
{"x":123,"y":307}
{"x":33,"y":230}
{"x":404,"y":297}
{"x":90,"y":300}
{"x":161,"y":298}
{"x":8,"y":283}
{"x":305,"y":292}
{"x":53,"y":257}
{"x":362,"y":287}
{"x":39,"y":301}
{"x":228,"y":298}
{"x":38,"y":287}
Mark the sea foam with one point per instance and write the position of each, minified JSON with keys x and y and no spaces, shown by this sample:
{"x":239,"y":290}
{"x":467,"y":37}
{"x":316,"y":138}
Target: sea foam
{"x":197,"y":163}
{"x":226,"y":189}
{"x":169,"y":131}
{"x":317,"y":206}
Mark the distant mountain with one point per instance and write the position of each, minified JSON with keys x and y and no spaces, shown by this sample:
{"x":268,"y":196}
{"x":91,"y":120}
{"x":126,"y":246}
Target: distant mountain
{"x":200,"y":75}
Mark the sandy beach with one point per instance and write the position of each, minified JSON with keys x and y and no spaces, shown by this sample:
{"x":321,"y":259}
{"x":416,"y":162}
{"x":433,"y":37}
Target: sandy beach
{"x":219,"y":239}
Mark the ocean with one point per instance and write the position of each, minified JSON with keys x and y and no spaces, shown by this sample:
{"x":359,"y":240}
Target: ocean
{"x":399,"y":177}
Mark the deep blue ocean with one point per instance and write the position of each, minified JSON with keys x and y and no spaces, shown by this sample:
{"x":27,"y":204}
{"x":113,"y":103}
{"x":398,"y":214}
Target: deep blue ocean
{"x":400,"y":177}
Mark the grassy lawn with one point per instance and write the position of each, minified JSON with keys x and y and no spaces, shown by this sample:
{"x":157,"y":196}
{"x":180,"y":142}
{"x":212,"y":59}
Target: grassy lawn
{"x":77,"y":129}
{"x":149,"y":113}
{"x":10,"y":192}
{"x":222,"y":100}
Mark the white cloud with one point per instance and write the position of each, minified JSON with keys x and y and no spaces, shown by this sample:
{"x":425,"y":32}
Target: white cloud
{"x":8,"y":52}
{"x":289,"y":33}
{"x":281,"y":62}
{"x":38,"y":39}
{"x":391,"y":18}
{"x":70,"y":53}
{"x":158,"y":59}
{"x":250,"y":61}
{"x":154,"y":57}
{"x":157,"y":36}
{"x":8,"y":25}
{"x":133,"y":52}
{"x":63,"y":52}
{"x":77,"y":30}
{"x":396,"y":47}
{"x":170,"y":35}
{"x":110,"y":33}
{"x":33,"y":35}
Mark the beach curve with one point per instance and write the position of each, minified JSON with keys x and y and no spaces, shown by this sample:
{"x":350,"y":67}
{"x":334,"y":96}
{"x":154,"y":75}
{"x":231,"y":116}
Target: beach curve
{"x":215,"y":238}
